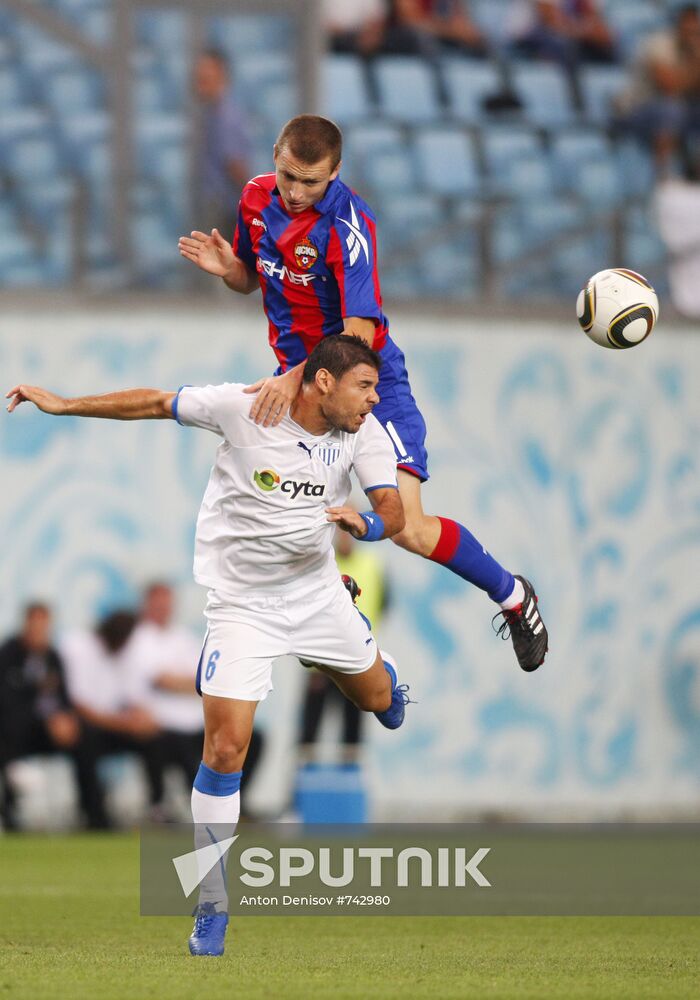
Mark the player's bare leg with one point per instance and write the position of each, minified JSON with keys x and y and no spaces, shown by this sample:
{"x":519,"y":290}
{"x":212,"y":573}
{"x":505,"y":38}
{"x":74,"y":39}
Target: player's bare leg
{"x":375,"y":690}
{"x":450,"y":544}
{"x":228,"y":727}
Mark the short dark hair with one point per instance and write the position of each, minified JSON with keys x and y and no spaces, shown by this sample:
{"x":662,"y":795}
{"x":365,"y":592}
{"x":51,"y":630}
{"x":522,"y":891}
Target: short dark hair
{"x":115,"y":629}
{"x":338,"y":354}
{"x":310,"y":138}
{"x":217,"y":56}
{"x":36,"y":608}
{"x":685,"y":10}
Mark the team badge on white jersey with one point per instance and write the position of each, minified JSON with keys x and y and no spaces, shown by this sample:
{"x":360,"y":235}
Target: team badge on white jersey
{"x":328,"y":454}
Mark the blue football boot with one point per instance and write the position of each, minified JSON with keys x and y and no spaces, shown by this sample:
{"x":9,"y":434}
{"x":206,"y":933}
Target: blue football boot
{"x":207,"y":937}
{"x":393,"y":716}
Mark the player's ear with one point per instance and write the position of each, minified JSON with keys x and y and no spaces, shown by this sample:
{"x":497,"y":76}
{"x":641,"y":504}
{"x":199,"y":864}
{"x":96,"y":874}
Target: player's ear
{"x":336,"y":171}
{"x":324,"y":381}
{"x":275,"y":152}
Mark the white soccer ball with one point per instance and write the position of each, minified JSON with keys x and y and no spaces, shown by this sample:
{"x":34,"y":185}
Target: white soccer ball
{"x":617,"y":308}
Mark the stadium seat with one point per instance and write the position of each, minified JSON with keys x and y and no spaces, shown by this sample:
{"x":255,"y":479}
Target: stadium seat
{"x":446,"y":162}
{"x":636,"y":167}
{"x":468,"y":82}
{"x":33,"y":159}
{"x":515,"y":161}
{"x":599,"y":86}
{"x":644,"y":250}
{"x":163,"y":30}
{"x":572,"y":262}
{"x":252,"y":72}
{"x":402,"y":220}
{"x":407,"y":89}
{"x":241,"y":34}
{"x":389,"y":172}
{"x":631,"y":22}
{"x":41,"y":53}
{"x":344,"y":89}
{"x":507,"y":237}
{"x":74,"y":91}
{"x":543,"y":219}
{"x":544,"y":91}
{"x":571,"y":148}
{"x":491,"y":16}
{"x":599,"y":183}
{"x":12,"y":89}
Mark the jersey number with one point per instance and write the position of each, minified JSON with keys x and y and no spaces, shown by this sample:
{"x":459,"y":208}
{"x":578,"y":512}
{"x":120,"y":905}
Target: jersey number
{"x":211,"y":665}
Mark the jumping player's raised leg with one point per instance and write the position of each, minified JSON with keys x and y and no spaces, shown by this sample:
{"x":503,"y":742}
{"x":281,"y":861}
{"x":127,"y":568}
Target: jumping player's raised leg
{"x":375,"y":690}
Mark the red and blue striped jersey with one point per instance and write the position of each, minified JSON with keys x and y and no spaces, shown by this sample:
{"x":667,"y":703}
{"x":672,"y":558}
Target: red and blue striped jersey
{"x":315,"y":268}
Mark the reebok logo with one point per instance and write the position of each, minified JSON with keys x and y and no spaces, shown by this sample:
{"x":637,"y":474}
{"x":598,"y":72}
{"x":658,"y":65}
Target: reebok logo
{"x":355,"y":240}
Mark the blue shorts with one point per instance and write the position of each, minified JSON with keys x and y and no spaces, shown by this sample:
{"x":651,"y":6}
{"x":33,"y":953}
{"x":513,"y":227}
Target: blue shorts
{"x":398,"y":413}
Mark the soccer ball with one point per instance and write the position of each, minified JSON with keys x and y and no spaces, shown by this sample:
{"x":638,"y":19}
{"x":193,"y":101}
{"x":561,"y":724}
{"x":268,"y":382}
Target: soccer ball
{"x":617,"y":308}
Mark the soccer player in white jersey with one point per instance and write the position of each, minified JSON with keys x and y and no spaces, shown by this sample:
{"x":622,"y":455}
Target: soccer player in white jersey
{"x":264,"y":549}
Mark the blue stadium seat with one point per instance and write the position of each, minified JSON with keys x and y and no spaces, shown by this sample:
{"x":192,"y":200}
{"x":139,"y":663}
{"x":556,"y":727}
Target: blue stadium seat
{"x":407,"y":89}
{"x":446,"y":162}
{"x":163,"y":30}
{"x":599,"y":183}
{"x":644,"y":250}
{"x":544,"y":90}
{"x":389,"y":172}
{"x":241,"y":34}
{"x":252,"y":72}
{"x":631,"y":22}
{"x":574,"y":261}
{"x":402,"y":220}
{"x":515,"y":160}
{"x":34,"y":159}
{"x":599,"y":86}
{"x":71,"y":92}
{"x":277,"y":102}
{"x":507,"y":236}
{"x":468,"y":82}
{"x":12,"y":89}
{"x":42,"y":54}
{"x":569,"y":149}
{"x":344,"y":89}
{"x":636,"y":166}
{"x":543,"y":219}
{"x":491,"y":16}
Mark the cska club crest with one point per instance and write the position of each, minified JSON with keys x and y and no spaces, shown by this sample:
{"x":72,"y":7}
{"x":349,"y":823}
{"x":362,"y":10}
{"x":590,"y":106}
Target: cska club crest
{"x":306,"y":253}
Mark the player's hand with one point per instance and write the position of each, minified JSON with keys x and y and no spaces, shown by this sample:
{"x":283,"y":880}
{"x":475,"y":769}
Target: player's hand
{"x":275,"y":395}
{"x":212,"y":254}
{"x":46,"y":401}
{"x":348,"y":519}
{"x":63,"y":728}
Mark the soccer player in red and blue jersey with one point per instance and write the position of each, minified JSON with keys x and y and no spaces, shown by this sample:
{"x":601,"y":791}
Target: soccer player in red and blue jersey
{"x":309,"y":243}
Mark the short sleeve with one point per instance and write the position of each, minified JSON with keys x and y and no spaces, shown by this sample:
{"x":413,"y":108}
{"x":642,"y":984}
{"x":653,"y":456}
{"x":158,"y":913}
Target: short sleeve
{"x":242,"y":244}
{"x":205,"y":406}
{"x":351,"y":256}
{"x":374,"y":459}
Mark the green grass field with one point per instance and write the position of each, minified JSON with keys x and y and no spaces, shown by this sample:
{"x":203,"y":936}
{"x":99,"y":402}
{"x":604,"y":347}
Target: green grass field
{"x":70,"y":928}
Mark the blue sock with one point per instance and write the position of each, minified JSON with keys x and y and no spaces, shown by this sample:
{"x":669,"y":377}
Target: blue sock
{"x":459,"y":551}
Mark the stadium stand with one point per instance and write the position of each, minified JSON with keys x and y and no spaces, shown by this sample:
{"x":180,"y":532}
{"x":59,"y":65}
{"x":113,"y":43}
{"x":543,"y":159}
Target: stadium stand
{"x":423,"y":139}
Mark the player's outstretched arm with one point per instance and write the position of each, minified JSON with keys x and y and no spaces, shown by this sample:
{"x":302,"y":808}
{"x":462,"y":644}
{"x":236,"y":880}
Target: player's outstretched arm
{"x":389,"y":520}
{"x":130,"y":404}
{"x":213,"y":254}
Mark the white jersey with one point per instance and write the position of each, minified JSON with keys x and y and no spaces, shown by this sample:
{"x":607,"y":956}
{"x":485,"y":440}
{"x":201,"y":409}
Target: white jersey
{"x":153,"y":650}
{"x":263,"y":522}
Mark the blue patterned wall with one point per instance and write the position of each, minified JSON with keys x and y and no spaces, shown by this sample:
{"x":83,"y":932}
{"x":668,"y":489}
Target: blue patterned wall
{"x":576,"y":466}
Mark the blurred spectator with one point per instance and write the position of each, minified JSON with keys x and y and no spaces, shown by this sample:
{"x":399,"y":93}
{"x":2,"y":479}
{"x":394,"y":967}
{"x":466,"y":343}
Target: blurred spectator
{"x":662,"y":103}
{"x":354,"y":27}
{"x":35,"y":715}
{"x":360,"y":563}
{"x":96,"y":678}
{"x":162,"y":659}
{"x":429,"y":27}
{"x":567,"y":31}
{"x":225,"y":143}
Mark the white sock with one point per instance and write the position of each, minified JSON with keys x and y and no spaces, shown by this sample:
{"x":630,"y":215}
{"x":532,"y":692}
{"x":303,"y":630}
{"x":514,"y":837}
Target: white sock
{"x":516,"y":597}
{"x":215,"y":818}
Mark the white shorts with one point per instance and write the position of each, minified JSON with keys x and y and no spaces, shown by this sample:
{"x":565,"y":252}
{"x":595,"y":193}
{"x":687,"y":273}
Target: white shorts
{"x":316,"y":624}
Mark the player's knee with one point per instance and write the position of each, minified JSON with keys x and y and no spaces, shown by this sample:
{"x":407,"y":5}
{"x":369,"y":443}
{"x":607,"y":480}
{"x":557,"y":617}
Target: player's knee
{"x":226,"y":751}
